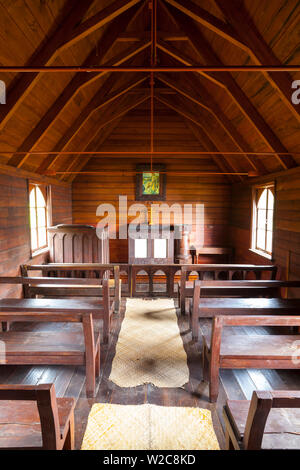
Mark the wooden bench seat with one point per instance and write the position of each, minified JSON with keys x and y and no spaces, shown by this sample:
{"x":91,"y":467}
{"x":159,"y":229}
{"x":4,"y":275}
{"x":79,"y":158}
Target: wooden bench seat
{"x":219,"y":272}
{"x":240,"y":298}
{"x":224,"y":350}
{"x":20,"y":424}
{"x":244,"y":350}
{"x":64,"y":347}
{"x":45,"y":347}
{"x":31,"y":417}
{"x":75,"y":290}
{"x":92,"y":273}
{"x":111,"y":285}
{"x":271,"y":420}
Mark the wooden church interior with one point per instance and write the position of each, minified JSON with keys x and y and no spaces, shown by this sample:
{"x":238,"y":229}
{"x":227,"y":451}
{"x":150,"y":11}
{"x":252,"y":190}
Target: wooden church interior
{"x":74,"y":134}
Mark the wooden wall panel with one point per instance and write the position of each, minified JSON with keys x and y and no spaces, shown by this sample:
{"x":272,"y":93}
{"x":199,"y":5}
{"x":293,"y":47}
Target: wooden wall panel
{"x":286,"y":228}
{"x":61,"y":202}
{"x":213,"y":192}
{"x":14,"y":226}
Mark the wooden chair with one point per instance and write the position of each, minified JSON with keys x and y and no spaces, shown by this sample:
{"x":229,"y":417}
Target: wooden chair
{"x":224,"y":350}
{"x":85,"y":270}
{"x":232,"y":289}
{"x":32,"y":418}
{"x":218,"y":272}
{"x":271,"y":420}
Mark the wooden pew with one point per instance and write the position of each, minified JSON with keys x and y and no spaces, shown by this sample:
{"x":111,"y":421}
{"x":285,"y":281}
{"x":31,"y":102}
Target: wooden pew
{"x":209,"y":298}
{"x":32,"y":418}
{"x":218,"y":272}
{"x":74,"y":270}
{"x":271,"y":420}
{"x":222,"y":350}
{"x":58,"y":347}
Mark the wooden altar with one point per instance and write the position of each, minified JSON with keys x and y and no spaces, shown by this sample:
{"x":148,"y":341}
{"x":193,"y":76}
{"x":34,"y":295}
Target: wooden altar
{"x":159,"y":245}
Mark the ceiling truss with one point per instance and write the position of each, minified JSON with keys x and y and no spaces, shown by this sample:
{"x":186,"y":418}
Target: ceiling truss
{"x":186,"y":16}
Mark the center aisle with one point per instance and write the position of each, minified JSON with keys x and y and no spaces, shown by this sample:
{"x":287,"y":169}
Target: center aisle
{"x":150,"y":348}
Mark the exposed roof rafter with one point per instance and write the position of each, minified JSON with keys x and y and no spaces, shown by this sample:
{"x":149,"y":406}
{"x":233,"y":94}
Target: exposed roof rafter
{"x":259,"y":50}
{"x":39,"y":131}
{"x":46,"y":52}
{"x":65,"y":34}
{"x":203,"y":48}
{"x":101,"y":99}
{"x":188,"y":115}
{"x":123,"y":108}
{"x":208,"y":20}
{"x":206,"y":101}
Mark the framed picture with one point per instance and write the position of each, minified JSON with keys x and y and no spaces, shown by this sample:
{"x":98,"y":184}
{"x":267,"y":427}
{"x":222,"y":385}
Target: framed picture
{"x":150,"y":185}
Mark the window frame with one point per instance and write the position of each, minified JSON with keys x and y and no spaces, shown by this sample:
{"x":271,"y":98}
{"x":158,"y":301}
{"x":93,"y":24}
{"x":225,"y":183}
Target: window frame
{"x":45,"y":192}
{"x":254,"y":225}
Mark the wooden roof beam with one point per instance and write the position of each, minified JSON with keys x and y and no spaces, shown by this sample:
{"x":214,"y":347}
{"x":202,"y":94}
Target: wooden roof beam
{"x":204,"y":99}
{"x":205,"y":141}
{"x":77,"y":163}
{"x":65,"y":35}
{"x":203,"y":17}
{"x":188,"y":115}
{"x":79,"y":81}
{"x":46,"y":52}
{"x":126,"y":106}
{"x":77,"y":124}
{"x":225,"y":79}
{"x":259,"y":50}
{"x":99,"y":100}
{"x":101,"y":18}
{"x":225,"y":163}
{"x":104,"y":45}
{"x":20,"y":173}
{"x":136,"y":36}
{"x":77,"y":159}
{"x":241,"y":31}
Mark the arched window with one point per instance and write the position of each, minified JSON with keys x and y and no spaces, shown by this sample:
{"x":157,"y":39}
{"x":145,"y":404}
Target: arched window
{"x":38,"y":217}
{"x":263,"y":213}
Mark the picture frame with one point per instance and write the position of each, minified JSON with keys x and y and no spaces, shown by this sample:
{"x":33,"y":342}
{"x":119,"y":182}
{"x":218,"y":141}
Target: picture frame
{"x":150,"y":187}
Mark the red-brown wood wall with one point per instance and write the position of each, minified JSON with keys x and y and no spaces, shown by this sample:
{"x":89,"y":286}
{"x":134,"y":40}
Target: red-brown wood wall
{"x":211,"y":191}
{"x":14,"y":224}
{"x":286,"y":252}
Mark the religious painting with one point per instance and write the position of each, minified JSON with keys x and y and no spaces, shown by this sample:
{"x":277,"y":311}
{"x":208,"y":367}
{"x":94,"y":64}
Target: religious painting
{"x":150,"y":185}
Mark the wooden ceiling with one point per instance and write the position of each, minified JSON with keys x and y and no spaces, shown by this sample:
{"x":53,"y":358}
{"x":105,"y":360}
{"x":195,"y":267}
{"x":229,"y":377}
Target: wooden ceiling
{"x":217,"y":112}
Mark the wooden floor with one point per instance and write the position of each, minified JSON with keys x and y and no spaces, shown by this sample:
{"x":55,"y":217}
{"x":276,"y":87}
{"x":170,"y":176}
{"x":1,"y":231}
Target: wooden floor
{"x":69,"y":381}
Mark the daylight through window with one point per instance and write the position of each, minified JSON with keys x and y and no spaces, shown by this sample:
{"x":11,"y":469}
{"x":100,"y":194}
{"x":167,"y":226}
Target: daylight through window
{"x":38,"y":218}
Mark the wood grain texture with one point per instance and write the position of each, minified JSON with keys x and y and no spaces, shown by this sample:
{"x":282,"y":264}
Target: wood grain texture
{"x":132,"y":134}
{"x":286,"y":253}
{"x":14,"y":228}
